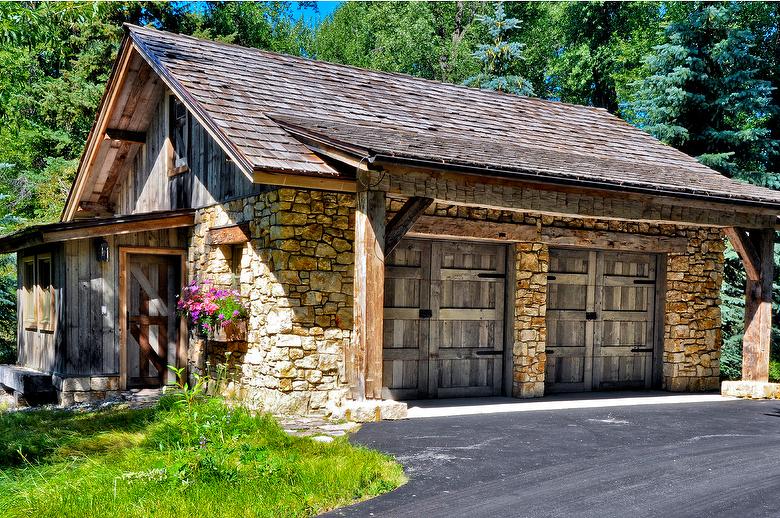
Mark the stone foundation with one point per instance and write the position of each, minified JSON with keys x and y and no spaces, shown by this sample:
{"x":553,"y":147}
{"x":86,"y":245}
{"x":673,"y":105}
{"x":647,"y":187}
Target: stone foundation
{"x":85,"y":389}
{"x":751,"y":389}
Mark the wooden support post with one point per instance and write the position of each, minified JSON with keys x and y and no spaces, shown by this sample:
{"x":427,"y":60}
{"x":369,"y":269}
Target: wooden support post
{"x":364,"y":356}
{"x":758,"y":306}
{"x":403,"y":221}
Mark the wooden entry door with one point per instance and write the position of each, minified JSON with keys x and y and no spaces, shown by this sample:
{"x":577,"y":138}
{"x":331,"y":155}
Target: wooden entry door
{"x":600,"y":320}
{"x":444,"y":319}
{"x":151,"y":331}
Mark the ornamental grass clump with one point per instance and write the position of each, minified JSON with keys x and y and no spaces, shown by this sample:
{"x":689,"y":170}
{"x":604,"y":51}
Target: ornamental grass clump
{"x":209,"y":307}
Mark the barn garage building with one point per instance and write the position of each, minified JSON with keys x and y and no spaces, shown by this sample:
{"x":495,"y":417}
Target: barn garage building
{"x":393,"y":238}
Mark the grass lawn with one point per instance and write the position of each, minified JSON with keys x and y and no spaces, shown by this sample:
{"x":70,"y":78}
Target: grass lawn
{"x":175,"y":460}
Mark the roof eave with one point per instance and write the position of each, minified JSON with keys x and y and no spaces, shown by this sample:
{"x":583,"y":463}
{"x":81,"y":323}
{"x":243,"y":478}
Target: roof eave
{"x":83,"y":229}
{"x":536,"y":177}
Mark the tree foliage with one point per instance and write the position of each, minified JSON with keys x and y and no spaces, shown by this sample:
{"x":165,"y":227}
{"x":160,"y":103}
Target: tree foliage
{"x":703,"y":94}
{"x":500,"y":57}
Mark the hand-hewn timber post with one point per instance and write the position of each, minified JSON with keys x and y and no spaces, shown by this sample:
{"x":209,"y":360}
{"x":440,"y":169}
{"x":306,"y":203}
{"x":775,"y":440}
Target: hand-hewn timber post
{"x":364,"y":356}
{"x":758,"y":309}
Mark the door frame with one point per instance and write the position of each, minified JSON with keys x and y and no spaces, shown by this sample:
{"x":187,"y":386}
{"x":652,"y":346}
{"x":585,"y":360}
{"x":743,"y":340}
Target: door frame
{"x":181,"y":349}
{"x":659,"y":320}
{"x":510,"y":291}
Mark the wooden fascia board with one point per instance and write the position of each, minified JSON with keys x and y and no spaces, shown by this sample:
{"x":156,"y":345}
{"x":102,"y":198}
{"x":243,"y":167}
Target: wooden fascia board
{"x":69,"y":231}
{"x":95,"y":137}
{"x":323,"y":183}
{"x":194,"y":107}
{"x":747,"y":252}
{"x":125,"y":227}
{"x":320,"y":145}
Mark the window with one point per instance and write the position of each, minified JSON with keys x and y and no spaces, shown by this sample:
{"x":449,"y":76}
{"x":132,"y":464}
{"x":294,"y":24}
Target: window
{"x":178,"y":134}
{"x":38,"y":295}
{"x":45,"y":295}
{"x":28,"y":291}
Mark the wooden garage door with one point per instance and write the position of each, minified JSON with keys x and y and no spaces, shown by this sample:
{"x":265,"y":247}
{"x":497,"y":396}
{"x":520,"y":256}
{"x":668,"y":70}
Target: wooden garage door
{"x":600,"y":320}
{"x":444,"y":319}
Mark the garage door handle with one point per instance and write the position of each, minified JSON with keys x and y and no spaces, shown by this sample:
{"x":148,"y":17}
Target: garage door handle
{"x":549,"y":351}
{"x":641,"y":349}
{"x":489,"y":353}
{"x":426,"y":313}
{"x":485,"y":275}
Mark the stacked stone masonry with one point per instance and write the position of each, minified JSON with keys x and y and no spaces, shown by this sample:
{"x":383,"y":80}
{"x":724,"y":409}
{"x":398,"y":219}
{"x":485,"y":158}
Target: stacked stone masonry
{"x":296,"y":277}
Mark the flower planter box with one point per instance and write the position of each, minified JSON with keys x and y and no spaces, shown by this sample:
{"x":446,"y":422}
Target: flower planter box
{"x":235,"y":332}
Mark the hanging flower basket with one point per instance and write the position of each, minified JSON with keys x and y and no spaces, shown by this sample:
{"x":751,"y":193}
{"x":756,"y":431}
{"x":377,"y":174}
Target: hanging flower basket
{"x":233,"y":332}
{"x":215,"y":312}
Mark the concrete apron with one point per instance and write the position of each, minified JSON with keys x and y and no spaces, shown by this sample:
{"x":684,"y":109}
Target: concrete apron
{"x":495,"y":405}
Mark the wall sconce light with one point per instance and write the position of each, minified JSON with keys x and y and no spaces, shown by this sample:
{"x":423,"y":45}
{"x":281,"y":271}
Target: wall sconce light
{"x":101,"y":250}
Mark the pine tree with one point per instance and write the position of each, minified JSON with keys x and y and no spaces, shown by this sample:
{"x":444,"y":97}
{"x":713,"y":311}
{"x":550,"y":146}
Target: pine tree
{"x":703,"y":95}
{"x":500,"y":57}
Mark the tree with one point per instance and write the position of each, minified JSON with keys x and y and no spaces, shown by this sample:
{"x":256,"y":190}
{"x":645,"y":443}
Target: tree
{"x":433,"y":40}
{"x":600,"y":47}
{"x":500,"y":57}
{"x":703,"y":96}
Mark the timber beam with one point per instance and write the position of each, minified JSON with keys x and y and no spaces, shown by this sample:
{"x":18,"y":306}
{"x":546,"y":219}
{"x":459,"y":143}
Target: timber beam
{"x":450,"y":188}
{"x":229,"y":235}
{"x":403,"y":221}
{"x":364,"y":353}
{"x":134,"y":137}
{"x":756,"y":249}
{"x":743,"y":245}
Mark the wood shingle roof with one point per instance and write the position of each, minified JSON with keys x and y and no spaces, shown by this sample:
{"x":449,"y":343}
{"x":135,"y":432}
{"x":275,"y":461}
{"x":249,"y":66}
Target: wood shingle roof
{"x":259,"y":101}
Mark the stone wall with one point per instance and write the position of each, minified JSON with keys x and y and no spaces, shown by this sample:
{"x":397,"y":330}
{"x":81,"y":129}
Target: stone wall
{"x":531,"y":263}
{"x":692,"y":334}
{"x":296,"y":276}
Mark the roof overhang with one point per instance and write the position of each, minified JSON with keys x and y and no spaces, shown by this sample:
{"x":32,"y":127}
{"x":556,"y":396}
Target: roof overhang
{"x":84,"y":229}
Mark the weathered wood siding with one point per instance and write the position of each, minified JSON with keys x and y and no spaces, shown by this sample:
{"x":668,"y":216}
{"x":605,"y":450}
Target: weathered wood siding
{"x":212,"y":178}
{"x":92,"y":301}
{"x":38,"y":349}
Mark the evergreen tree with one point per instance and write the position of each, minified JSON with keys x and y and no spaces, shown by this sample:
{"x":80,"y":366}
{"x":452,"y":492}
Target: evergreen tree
{"x":703,"y":95}
{"x":706,"y":96}
{"x":500,"y":57}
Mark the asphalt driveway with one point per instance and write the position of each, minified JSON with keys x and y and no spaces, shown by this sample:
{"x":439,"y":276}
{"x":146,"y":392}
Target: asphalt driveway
{"x":681,"y":460}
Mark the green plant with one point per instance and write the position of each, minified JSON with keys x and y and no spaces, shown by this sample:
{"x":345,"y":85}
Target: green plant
{"x":137,"y":462}
{"x":774,"y":371}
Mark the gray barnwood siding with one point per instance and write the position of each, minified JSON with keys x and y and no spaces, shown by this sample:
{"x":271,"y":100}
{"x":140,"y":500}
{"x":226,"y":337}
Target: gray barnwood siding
{"x":85,"y":340}
{"x":40,"y":349}
{"x":92,"y":300}
{"x":213,"y":178}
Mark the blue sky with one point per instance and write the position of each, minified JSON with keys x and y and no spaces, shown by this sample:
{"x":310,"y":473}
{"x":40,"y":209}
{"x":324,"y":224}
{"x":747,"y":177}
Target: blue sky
{"x":324,"y":9}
